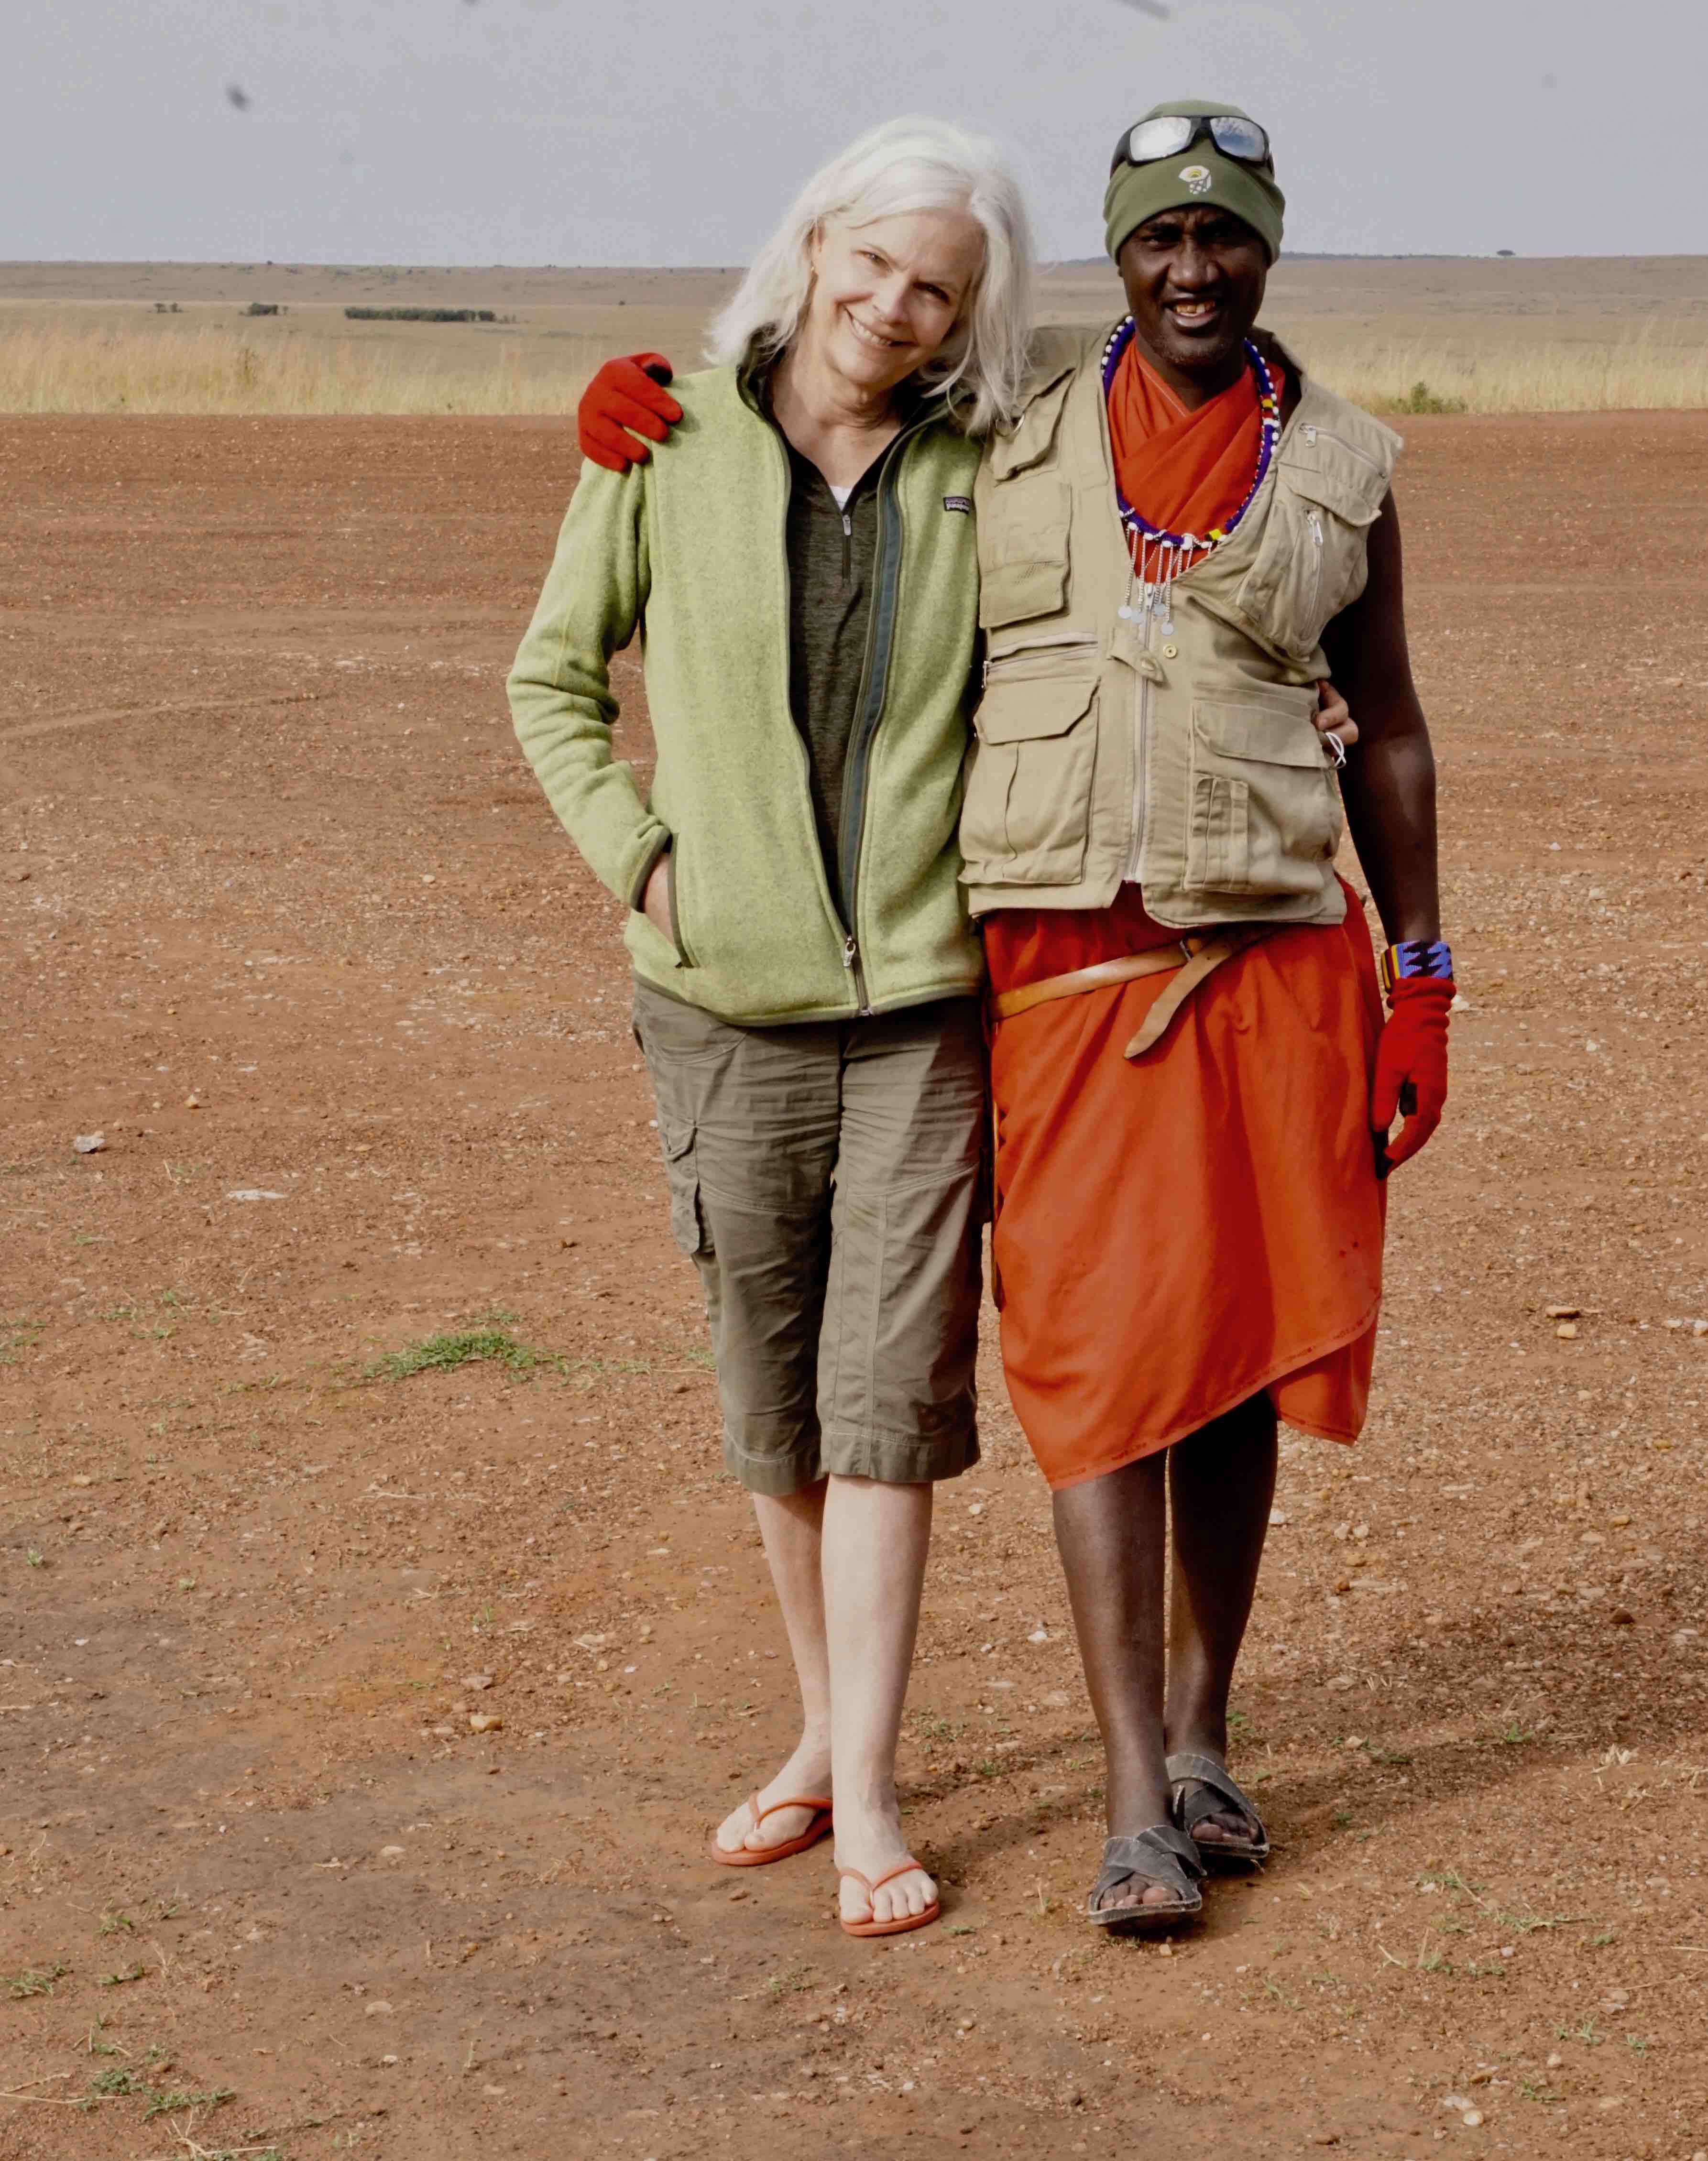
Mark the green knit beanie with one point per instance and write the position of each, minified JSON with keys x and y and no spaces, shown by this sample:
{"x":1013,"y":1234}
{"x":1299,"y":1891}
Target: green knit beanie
{"x":1201,"y":174}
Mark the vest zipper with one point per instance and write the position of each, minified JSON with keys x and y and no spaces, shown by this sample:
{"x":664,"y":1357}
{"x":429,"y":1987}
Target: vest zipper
{"x":1025,"y":649}
{"x":847,"y":548}
{"x":1310,"y":431}
{"x":1315,"y":521}
{"x":868,"y":708}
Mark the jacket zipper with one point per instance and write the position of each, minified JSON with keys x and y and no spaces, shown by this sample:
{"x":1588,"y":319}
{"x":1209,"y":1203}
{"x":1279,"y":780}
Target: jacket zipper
{"x":847,"y":548}
{"x":1311,"y":431}
{"x":868,"y":708}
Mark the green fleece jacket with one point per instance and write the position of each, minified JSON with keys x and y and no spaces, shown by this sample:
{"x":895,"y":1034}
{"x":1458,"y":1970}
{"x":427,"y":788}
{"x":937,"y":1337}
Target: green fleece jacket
{"x":689,"y":549}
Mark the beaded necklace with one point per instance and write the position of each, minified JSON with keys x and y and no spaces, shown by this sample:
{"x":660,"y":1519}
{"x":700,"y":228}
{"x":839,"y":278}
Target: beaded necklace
{"x":1159,"y":555}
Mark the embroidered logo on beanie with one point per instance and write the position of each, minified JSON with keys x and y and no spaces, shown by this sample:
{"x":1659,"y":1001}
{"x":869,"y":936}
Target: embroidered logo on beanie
{"x":1197,"y":178}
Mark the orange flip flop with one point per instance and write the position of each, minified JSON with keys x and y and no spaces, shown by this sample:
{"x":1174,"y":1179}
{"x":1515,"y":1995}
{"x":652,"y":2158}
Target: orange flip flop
{"x":908,"y":1922}
{"x":747,"y":1857}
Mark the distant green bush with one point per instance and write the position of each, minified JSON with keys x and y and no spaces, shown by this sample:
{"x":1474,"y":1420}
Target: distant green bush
{"x":421,"y":314}
{"x":264,"y":308}
{"x":1421,"y":399}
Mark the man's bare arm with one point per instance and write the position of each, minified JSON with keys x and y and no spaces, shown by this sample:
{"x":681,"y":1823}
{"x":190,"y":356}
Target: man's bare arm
{"x":1389,"y":786}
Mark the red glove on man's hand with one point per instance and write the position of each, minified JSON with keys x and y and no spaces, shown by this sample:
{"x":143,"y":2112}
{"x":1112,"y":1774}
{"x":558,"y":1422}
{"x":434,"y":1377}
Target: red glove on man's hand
{"x":626,"y":393}
{"x":1411,"y":1067}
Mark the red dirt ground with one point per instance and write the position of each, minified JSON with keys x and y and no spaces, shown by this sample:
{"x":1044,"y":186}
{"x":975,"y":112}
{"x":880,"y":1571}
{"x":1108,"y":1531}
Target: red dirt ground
{"x":282,"y":912}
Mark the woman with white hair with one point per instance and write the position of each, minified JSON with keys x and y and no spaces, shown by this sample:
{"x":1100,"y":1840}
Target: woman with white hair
{"x":802,"y":564}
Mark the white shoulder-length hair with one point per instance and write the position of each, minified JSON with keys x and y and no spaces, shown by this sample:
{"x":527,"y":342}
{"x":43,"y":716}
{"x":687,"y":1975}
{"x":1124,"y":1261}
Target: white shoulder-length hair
{"x":893,"y":170}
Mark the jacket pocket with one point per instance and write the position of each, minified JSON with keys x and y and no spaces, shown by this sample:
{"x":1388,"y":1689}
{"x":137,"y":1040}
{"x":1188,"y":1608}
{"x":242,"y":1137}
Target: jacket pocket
{"x":1263,"y":811}
{"x":1023,"y":549}
{"x":1312,"y":561}
{"x":682,"y":1177}
{"x":679,"y":936}
{"x":1028,"y":794}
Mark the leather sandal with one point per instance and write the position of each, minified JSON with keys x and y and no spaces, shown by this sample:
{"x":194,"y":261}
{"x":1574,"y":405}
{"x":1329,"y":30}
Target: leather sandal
{"x":1217,"y":1795}
{"x":906,"y":1922}
{"x":744,"y":1857}
{"x":1162,"y":1854}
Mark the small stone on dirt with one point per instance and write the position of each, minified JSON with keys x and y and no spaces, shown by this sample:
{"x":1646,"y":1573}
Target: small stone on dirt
{"x":476,"y":1681}
{"x":1567,"y":1331}
{"x":1471,"y":2118}
{"x":1564,"y":1312}
{"x":390,"y":1852}
{"x":1622,"y":1617}
{"x":377,"y":2010}
{"x":90,"y":1144}
{"x":485,"y":1721}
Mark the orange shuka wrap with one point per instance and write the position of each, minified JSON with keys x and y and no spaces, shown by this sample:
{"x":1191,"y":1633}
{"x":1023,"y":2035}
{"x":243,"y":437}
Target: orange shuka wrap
{"x":1178,"y":1232}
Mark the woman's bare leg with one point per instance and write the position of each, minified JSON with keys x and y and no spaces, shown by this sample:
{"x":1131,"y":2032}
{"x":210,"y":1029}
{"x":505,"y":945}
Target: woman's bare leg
{"x":875,"y":1539}
{"x":792,"y":1528}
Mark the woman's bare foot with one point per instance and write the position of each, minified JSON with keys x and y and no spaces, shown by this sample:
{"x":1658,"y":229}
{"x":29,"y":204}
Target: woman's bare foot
{"x":871,"y":1841}
{"x":808,"y":1771}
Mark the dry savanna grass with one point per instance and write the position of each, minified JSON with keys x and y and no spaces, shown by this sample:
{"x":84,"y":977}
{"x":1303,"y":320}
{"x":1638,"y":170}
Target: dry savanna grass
{"x":1396,"y":336}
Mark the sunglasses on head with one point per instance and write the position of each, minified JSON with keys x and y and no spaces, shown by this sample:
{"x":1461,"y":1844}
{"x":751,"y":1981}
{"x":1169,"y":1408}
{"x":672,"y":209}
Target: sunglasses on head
{"x":1233,"y":135}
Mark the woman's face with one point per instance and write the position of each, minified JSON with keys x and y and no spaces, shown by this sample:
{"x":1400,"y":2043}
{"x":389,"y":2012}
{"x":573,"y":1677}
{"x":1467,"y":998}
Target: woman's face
{"x":886,"y":295}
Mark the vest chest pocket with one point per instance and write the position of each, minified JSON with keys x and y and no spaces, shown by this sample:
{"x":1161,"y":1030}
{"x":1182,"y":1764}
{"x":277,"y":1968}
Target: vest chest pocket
{"x":1312,"y":561}
{"x":1264,"y":812}
{"x":1022,"y":545}
{"x":1029,"y":793}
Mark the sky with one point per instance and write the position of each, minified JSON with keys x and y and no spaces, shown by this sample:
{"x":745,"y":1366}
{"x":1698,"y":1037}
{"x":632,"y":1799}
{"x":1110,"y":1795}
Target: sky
{"x":669,"y":132}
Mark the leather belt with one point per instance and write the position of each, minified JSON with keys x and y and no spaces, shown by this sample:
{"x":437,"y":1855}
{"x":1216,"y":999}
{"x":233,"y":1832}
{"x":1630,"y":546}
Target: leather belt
{"x":1191,"y":961}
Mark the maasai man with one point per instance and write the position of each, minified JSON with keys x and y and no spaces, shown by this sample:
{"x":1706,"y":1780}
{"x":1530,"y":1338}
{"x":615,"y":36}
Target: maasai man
{"x":1193,"y":1082}
{"x":1180,"y":537}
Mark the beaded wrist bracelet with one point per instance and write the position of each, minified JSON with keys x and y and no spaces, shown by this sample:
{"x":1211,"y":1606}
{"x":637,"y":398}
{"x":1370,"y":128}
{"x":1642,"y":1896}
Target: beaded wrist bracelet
{"x":1415,"y":956}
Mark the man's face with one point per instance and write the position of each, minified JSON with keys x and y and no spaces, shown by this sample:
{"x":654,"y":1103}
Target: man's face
{"x":1194,"y":279}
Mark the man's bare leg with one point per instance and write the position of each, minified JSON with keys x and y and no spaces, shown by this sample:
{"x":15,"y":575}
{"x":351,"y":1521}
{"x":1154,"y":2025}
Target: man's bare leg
{"x":792,"y":1528}
{"x":875,"y":1539}
{"x":1111,"y":1533}
{"x":1222,"y":1485}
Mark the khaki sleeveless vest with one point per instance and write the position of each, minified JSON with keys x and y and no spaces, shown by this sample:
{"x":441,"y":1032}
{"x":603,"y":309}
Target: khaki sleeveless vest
{"x":1110,"y":749}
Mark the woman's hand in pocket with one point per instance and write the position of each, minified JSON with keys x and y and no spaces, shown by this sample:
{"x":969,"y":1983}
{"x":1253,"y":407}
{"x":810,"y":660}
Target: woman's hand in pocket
{"x":655,"y":901}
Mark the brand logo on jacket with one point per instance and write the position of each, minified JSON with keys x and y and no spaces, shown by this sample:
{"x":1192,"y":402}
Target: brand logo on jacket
{"x":1198,"y":178}
{"x":961,"y":503}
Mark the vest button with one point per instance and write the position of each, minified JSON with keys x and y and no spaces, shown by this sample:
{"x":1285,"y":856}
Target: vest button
{"x":1171,"y":653}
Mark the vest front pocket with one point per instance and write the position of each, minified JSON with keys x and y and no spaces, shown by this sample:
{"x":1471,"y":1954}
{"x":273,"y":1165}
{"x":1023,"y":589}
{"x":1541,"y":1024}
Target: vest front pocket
{"x":1312,"y":561}
{"x":1263,"y":810}
{"x":1028,"y":793}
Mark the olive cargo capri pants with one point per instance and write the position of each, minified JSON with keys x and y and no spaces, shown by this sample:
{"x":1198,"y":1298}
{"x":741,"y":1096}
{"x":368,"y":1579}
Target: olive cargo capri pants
{"x":827,"y":1178}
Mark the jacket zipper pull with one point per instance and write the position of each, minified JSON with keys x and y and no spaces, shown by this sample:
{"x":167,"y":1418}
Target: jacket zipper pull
{"x":851,"y":952}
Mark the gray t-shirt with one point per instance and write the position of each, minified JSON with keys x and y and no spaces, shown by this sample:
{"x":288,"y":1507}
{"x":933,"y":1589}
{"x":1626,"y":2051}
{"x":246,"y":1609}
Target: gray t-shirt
{"x":832,"y":547}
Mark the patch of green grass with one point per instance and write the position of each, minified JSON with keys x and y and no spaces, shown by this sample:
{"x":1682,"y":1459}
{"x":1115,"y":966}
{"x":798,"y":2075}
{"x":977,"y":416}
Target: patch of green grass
{"x":34,"y":1559}
{"x":1637,"y":2043}
{"x":466,"y":1346}
{"x":933,"y":1726}
{"x":1589,"y":2033}
{"x":110,"y":1924}
{"x":176,"y":2097}
{"x":122,"y":2079}
{"x":1530,"y":2089}
{"x":1273,"y":1990}
{"x":18,"y":1336}
{"x":1602,"y":1939}
{"x":119,"y":1979}
{"x":35,"y":1981}
{"x":1515,"y":1736}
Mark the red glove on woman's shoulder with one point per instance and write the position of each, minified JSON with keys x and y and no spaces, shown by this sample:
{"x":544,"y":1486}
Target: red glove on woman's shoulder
{"x":1411,"y":1066}
{"x":626,"y":393}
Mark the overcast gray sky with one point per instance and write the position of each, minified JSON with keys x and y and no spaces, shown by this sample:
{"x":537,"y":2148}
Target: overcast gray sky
{"x":674,"y":130}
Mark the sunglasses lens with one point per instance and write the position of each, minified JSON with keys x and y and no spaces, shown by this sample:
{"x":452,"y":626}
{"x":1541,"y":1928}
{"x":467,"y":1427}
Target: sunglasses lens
{"x":1157,"y":138}
{"x":1240,"y":139}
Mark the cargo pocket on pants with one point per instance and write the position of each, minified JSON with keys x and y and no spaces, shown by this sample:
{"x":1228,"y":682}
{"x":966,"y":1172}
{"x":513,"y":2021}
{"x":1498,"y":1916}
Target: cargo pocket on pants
{"x":682,"y":1177}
